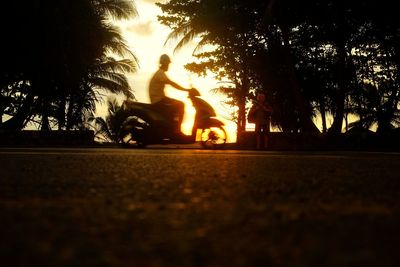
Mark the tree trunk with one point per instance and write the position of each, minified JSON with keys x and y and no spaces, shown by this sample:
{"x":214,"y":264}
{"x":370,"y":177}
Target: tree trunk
{"x":385,"y":120}
{"x":45,"y":125}
{"x":69,"y":123}
{"x":337,"y":124}
{"x":322,"y":110}
{"x":19,"y":120}
{"x":242,"y":116}
{"x":61,"y":113}
{"x":307,"y":125}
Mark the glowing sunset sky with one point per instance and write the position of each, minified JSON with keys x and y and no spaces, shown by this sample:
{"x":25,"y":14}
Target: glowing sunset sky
{"x":146,"y":38}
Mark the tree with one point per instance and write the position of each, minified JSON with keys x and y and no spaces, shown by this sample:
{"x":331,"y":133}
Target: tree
{"x":108,"y":129}
{"x":308,"y":57}
{"x":68,"y":50}
{"x":240,"y":32}
{"x":230,"y":59}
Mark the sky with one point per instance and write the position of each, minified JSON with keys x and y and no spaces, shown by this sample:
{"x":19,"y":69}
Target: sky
{"x":146,"y":38}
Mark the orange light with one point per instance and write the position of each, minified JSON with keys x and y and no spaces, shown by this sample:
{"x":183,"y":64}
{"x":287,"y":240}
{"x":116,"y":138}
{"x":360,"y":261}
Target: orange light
{"x":188,"y":118}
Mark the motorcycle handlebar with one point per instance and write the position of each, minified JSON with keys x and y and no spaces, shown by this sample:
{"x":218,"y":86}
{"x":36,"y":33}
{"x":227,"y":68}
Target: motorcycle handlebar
{"x":194,"y":92}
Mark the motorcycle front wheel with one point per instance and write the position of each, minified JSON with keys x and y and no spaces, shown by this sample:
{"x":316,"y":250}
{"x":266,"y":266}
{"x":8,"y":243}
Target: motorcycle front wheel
{"x":213,"y":138}
{"x":133,"y":132}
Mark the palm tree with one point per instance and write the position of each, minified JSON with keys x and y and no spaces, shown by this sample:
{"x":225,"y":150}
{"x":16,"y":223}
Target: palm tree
{"x":374,"y":109}
{"x":104,"y":73}
{"x":70,"y":64}
{"x":108,"y":76}
{"x":108,"y":129}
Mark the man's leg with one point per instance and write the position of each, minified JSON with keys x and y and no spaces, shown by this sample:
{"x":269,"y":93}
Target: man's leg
{"x":266,"y":133}
{"x":258,"y":136}
{"x":179,"y":110}
{"x":265,"y":137}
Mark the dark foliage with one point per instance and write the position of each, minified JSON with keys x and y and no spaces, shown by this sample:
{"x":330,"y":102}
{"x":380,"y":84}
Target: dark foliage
{"x":311,"y":58}
{"x":56,"y":58}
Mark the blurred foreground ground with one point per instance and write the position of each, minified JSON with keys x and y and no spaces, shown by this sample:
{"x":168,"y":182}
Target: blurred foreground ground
{"x":187,"y":207}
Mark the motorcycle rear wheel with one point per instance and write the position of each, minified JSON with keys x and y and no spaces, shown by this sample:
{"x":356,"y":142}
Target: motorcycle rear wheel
{"x":133,"y":132}
{"x":213,"y":138}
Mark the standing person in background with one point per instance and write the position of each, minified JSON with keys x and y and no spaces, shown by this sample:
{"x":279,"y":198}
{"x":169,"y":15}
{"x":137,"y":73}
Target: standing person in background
{"x":260,"y":114}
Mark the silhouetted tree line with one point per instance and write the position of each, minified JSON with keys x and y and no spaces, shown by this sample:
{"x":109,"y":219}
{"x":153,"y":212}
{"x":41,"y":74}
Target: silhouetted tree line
{"x":311,"y":58}
{"x":56,"y":60}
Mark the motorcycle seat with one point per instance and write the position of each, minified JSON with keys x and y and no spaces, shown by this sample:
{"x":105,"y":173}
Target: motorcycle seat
{"x":149,"y":109}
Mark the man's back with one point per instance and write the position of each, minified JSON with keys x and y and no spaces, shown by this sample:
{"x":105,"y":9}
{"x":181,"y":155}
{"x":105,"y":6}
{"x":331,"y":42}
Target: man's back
{"x":157,"y":85}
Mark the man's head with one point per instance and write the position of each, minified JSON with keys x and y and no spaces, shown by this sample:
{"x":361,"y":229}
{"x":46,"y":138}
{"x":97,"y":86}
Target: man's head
{"x":260,"y":97}
{"x":164,"y":62}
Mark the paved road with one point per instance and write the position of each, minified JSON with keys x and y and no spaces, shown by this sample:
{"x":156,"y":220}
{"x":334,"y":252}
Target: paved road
{"x":169,"y":207}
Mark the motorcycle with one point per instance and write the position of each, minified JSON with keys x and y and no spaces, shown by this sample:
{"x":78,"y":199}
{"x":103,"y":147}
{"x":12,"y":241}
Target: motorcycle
{"x":147,"y":124}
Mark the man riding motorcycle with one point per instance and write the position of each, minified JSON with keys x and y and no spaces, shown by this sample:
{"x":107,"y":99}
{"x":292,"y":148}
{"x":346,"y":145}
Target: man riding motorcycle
{"x":157,"y":94}
{"x":160,"y":121}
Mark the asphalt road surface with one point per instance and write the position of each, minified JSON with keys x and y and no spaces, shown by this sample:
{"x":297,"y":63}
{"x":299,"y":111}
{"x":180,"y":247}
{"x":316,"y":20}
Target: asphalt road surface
{"x":170,"y":207}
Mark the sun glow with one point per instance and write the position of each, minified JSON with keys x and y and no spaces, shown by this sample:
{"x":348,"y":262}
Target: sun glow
{"x":190,"y":112}
{"x":146,"y":37}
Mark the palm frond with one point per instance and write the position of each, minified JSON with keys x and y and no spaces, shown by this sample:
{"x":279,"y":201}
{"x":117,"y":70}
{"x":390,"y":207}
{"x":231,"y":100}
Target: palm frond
{"x":230,"y":92}
{"x":117,"y":9}
{"x":185,"y":40}
{"x":201,"y":44}
{"x":109,"y":75}
{"x":102,"y":128}
{"x":364,"y":123}
{"x":178,"y":32}
{"x":114,"y":42}
{"x":184,"y":33}
{"x":112,"y":65}
{"x":114,"y":83}
{"x":112,"y":105}
{"x":223,"y":90}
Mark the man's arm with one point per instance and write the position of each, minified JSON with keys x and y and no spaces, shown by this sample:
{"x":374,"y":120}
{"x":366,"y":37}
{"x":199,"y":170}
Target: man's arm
{"x":177,"y":86}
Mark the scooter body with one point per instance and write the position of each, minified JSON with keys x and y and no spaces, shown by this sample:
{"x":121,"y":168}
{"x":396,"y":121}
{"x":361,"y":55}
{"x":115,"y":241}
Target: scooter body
{"x":146,"y":124}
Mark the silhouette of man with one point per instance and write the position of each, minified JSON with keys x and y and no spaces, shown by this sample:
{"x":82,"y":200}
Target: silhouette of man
{"x":157,"y":93}
{"x":261,"y":113}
